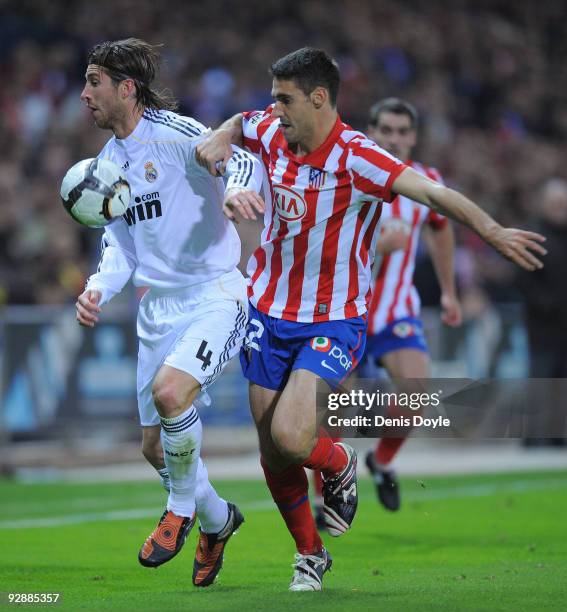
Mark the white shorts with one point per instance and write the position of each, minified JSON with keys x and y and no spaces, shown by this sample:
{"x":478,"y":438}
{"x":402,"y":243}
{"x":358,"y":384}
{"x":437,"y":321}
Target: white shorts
{"x":196,"y":330}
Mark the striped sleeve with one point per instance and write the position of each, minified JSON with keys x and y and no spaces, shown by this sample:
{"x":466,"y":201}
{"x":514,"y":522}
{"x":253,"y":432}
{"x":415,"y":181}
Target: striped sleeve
{"x":434,"y":219}
{"x":254,"y":124}
{"x":244,"y":170}
{"x":373,"y":169}
{"x":177,"y":123}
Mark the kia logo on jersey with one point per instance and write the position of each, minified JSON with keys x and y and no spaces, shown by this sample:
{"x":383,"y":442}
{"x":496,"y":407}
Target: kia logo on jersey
{"x":290,"y":206}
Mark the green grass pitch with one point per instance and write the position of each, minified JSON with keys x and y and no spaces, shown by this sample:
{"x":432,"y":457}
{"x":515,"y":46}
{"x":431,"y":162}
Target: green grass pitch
{"x":491,"y":542}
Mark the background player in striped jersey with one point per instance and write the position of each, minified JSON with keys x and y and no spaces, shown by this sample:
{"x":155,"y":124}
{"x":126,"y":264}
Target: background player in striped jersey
{"x":174,"y":240}
{"x":310,"y":278}
{"x":395,"y":333}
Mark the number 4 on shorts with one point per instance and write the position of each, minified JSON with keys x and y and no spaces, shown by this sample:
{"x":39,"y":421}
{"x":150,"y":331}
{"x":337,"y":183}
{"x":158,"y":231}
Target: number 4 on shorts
{"x":204,"y":357}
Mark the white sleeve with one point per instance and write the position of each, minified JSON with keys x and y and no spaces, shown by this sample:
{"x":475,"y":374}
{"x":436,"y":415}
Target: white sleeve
{"x":117,"y":261}
{"x":244,"y":170}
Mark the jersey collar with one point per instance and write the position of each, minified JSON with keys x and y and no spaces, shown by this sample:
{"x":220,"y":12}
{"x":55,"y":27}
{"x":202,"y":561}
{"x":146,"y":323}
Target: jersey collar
{"x":318,"y":157}
{"x":137,"y":135}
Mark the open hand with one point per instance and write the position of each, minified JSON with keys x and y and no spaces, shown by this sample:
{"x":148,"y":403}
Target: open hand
{"x":519,"y":246}
{"x":243,"y":201}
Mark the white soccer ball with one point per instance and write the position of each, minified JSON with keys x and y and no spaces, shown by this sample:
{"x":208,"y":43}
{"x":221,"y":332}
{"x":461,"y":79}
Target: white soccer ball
{"x":95,"y":191}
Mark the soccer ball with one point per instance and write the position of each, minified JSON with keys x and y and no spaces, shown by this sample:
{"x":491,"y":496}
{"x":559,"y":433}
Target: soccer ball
{"x":95,"y":191}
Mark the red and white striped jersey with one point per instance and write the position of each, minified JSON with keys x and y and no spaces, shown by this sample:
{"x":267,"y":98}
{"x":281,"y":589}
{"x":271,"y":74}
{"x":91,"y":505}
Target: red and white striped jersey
{"x":394,"y":295}
{"x":318,"y":242}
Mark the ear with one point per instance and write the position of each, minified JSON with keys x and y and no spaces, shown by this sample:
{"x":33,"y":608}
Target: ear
{"x":319,"y":96}
{"x":127,"y":88}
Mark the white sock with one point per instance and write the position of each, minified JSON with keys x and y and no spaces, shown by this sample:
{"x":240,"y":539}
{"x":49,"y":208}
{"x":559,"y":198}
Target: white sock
{"x":181,"y":440}
{"x":212,"y":510}
{"x":384,"y":467}
{"x":164,"y":475}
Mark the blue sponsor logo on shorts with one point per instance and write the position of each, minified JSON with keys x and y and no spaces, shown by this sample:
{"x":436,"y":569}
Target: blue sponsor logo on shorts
{"x":337,"y":355}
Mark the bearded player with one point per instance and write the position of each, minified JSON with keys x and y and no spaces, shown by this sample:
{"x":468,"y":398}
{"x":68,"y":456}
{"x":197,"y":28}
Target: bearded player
{"x":174,"y":240}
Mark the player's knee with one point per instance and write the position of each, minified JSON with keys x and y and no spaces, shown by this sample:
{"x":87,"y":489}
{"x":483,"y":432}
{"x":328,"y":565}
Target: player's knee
{"x":293,"y":444}
{"x":167,"y":399}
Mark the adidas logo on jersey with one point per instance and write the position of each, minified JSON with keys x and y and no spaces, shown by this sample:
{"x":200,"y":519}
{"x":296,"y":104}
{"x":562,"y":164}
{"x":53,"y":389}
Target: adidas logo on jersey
{"x":146,"y":206}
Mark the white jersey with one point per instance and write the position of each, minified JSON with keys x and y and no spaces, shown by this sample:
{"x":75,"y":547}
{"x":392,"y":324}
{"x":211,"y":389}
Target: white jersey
{"x":174,"y":234}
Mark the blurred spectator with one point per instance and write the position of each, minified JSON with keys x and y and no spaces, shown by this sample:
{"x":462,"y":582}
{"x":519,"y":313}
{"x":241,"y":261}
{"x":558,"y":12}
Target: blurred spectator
{"x":487,"y":76}
{"x":545,"y":296}
{"x":545,"y":292}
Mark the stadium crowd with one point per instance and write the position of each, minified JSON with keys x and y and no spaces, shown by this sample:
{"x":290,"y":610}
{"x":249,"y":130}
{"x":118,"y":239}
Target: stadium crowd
{"x":485,"y":76}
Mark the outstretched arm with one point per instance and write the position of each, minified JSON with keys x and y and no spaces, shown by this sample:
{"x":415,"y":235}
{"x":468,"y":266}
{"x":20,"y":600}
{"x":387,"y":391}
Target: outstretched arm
{"x":441,"y":245}
{"x":516,"y":245}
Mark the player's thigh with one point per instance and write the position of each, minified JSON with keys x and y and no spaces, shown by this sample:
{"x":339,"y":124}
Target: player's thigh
{"x":157,"y":334}
{"x":406,"y":363}
{"x":195,"y":337}
{"x":262,"y":405}
{"x":267,"y":354}
{"x":332,"y":349}
{"x":263,"y":402}
{"x":212,"y":337}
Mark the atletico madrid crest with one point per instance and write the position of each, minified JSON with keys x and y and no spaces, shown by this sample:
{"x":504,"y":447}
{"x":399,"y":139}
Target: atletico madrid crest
{"x":316,"y":178}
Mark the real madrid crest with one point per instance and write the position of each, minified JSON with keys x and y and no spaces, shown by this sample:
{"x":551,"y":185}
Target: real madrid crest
{"x":151,"y":172}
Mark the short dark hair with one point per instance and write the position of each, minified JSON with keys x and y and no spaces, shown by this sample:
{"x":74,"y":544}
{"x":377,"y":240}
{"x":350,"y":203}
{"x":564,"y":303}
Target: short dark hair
{"x":309,"y":68}
{"x":134,"y":59}
{"x":393,"y":105}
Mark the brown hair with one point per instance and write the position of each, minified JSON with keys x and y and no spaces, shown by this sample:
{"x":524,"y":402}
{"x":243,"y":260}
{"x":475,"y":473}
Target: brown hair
{"x":309,"y":68}
{"x":393,"y":105}
{"x":134,"y":59}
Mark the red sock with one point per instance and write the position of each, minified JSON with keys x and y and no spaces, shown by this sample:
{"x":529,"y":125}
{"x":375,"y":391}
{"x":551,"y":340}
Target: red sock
{"x":387,"y":448}
{"x":289,"y":490}
{"x":318,"y":483}
{"x":327,"y":457}
{"x":318,"y":477}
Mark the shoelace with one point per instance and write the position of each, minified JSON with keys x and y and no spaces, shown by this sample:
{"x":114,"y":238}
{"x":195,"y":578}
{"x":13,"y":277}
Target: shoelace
{"x":301,"y":562}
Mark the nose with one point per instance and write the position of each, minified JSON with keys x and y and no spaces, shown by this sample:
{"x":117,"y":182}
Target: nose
{"x":277,"y":110}
{"x":85,"y":95}
{"x":393,"y":138}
